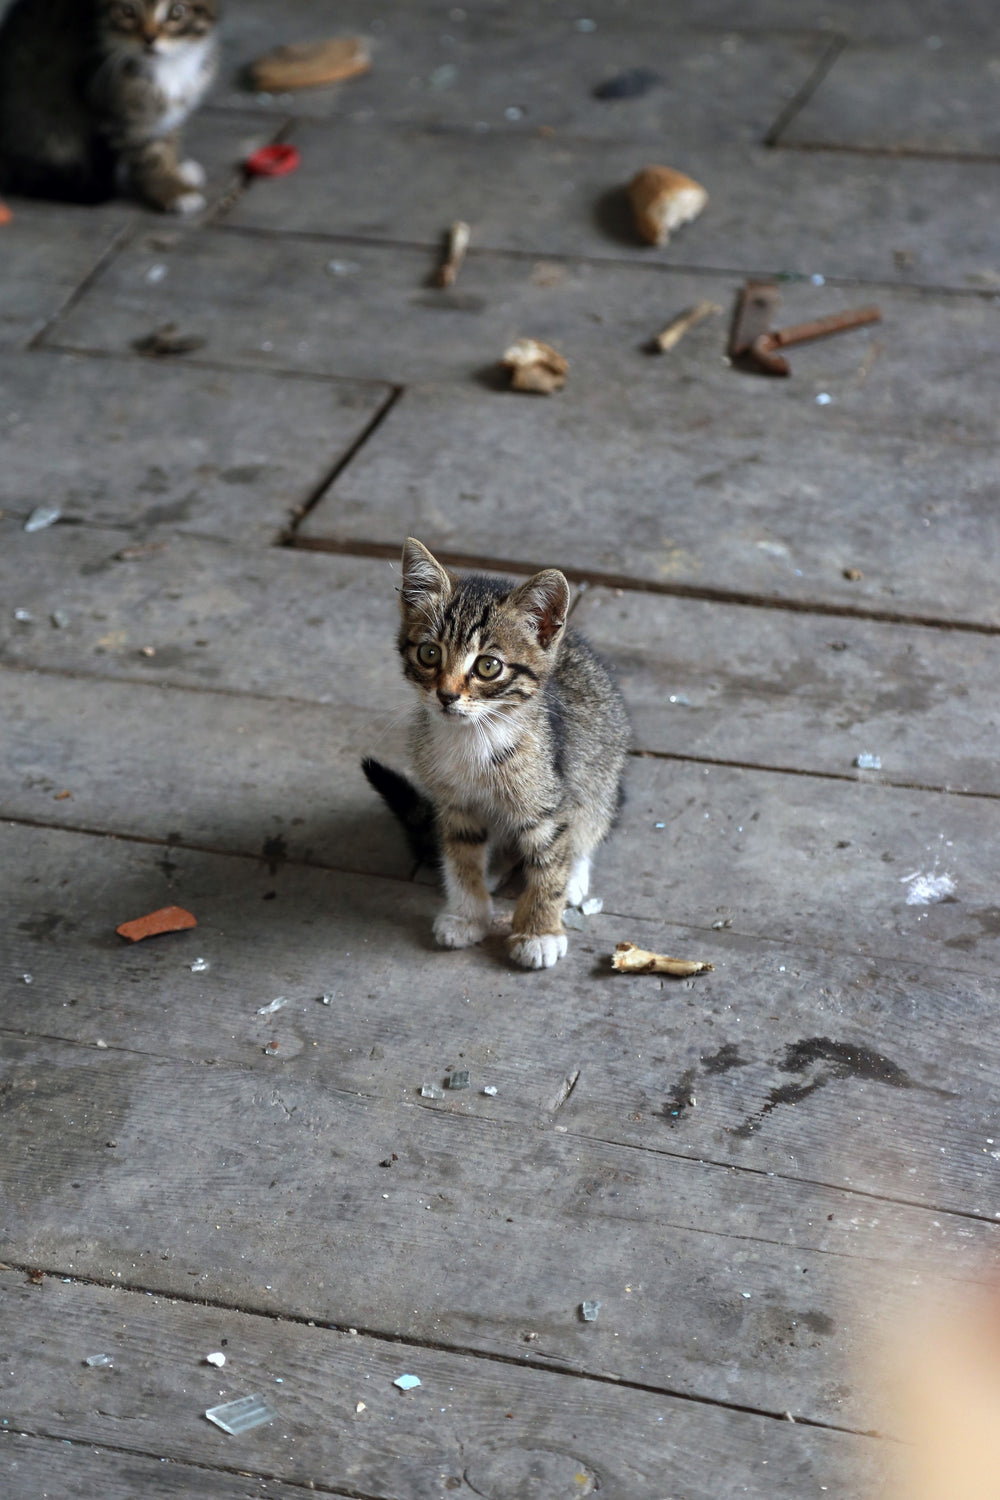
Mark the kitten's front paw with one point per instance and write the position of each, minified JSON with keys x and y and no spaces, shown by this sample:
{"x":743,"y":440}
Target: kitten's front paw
{"x":187,"y":203}
{"x":192,"y":173}
{"x":538,"y":952}
{"x":451,"y":930}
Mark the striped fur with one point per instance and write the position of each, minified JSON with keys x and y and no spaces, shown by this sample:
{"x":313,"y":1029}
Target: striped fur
{"x":519,"y":742}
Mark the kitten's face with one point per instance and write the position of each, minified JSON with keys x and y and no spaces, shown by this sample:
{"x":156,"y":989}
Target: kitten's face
{"x":475,"y":648}
{"x":155,"y":26}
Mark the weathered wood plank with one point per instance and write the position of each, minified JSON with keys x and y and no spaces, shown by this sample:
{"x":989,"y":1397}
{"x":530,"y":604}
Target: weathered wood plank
{"x":34,"y":1467}
{"x":475,"y":1425}
{"x":275,"y":780}
{"x":151,"y":443}
{"x":518,"y":73}
{"x":906,"y":96}
{"x":276,"y":622}
{"x":770,"y":211}
{"x":796,"y":691}
{"x":270,"y":1196}
{"x":781,"y":1047}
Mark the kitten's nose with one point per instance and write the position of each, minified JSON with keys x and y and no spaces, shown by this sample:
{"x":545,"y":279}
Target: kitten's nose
{"x":447,"y":699}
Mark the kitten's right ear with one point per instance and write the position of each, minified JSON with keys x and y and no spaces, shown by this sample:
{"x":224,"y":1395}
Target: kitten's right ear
{"x":424,"y":579}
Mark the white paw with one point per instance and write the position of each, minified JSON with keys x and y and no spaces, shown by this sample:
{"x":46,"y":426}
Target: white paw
{"x":188,"y":203}
{"x":452,"y":930}
{"x":193,"y":173}
{"x":538,"y":952}
{"x":579,"y":882}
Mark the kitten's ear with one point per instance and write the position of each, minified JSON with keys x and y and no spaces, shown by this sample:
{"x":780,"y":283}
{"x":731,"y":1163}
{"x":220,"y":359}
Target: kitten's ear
{"x":424,"y":579}
{"x":544,"y":600}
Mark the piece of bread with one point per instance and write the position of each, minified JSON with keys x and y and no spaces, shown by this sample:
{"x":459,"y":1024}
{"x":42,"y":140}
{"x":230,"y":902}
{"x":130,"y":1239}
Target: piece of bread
{"x":663,"y":199}
{"x":535,"y":367}
{"x":303,"y":65}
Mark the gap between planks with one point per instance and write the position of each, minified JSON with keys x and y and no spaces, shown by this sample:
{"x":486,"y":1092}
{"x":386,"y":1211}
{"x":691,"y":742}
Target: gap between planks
{"x":803,"y":94}
{"x":438,"y":1346}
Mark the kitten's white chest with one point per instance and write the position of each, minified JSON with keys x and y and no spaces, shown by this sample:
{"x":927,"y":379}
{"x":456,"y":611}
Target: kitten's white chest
{"x":181,"y":77}
{"x":463,"y":758}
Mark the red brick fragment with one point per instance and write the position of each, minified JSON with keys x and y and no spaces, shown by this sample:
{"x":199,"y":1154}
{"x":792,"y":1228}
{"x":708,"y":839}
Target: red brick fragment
{"x":167,"y":919}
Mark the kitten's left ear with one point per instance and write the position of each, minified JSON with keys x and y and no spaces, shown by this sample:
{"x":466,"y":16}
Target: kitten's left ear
{"x":544,"y":599}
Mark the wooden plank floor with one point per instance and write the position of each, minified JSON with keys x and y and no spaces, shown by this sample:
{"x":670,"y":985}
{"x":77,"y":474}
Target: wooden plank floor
{"x":750,"y":1171}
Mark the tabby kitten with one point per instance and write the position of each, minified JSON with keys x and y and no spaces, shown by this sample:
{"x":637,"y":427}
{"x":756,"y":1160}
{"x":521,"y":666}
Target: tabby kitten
{"x":519,"y":741}
{"x":93,"y":94}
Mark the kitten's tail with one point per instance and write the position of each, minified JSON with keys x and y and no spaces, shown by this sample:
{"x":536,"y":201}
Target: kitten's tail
{"x":411,"y":807}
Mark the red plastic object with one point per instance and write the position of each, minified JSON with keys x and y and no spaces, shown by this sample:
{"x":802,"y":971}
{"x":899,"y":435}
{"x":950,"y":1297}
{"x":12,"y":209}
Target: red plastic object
{"x":273,"y":161}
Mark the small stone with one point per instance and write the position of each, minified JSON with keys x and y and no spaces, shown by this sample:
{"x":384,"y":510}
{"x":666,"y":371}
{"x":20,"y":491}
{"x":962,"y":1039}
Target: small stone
{"x":216,"y":1358}
{"x":42,"y":516}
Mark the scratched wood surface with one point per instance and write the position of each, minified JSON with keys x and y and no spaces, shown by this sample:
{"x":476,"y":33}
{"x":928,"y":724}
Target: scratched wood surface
{"x":218,"y":1139}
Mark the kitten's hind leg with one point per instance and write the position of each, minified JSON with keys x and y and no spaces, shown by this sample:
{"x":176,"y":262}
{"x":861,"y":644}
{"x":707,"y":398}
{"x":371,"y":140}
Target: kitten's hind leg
{"x":579,"y":881}
{"x":468,"y":912}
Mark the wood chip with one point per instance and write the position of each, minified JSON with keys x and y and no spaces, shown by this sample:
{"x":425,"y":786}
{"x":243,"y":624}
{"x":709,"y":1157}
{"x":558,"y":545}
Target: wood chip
{"x":662,"y":200}
{"x":679,"y":326}
{"x":535,"y":366}
{"x":458,"y":242}
{"x":303,"y":65}
{"x":166,"y":919}
{"x":628,"y":959}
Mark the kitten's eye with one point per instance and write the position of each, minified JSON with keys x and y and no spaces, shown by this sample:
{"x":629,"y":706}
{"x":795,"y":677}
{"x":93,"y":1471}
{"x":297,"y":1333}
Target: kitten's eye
{"x":487,"y":667}
{"x":126,"y":11}
{"x":177,"y":12}
{"x":428,"y":655}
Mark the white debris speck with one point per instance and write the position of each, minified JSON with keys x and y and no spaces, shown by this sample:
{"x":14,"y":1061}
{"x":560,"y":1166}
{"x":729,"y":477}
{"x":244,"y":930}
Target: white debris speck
{"x":490,"y":1090}
{"x":216,"y":1358}
{"x":276,"y":1004}
{"x":361,"y":1407}
{"x":156,"y":273}
{"x":867,"y":761}
{"x":42,"y":516}
{"x":927,"y":889}
{"x":23,"y":616}
{"x":824,"y":398}
{"x":27,"y":978}
{"x":513,"y":112}
{"x":342,"y":267}
{"x":592,"y":906}
{"x":817,"y":279}
{"x":199,"y":966}
{"x":407,"y":1382}
{"x":585,"y":25}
